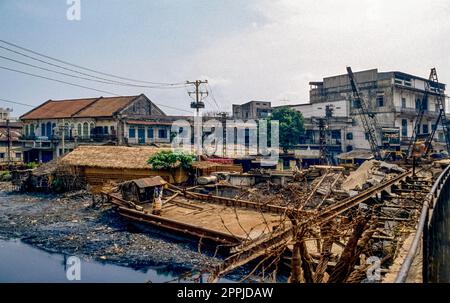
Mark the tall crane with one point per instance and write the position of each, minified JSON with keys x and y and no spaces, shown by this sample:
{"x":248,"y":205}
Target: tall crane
{"x":368,"y":119}
{"x":442,"y":118}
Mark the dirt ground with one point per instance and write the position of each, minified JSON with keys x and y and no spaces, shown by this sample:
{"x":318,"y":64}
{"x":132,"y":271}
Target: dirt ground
{"x":71,"y":224}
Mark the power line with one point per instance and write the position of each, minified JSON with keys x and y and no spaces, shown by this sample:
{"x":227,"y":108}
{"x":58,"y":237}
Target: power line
{"x":104,"y":80}
{"x":56,"y":80}
{"x":15,"y":102}
{"x":209,"y":88}
{"x":85,"y":68}
{"x":81,"y":86}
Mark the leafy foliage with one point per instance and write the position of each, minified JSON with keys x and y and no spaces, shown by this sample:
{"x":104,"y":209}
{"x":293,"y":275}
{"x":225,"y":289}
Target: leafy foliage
{"x":169,"y":160}
{"x":291,"y":126}
{"x":32,"y":165}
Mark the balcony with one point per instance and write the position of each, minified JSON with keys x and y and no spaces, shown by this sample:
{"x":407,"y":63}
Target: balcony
{"x":43,"y":142}
{"x":412,"y":112}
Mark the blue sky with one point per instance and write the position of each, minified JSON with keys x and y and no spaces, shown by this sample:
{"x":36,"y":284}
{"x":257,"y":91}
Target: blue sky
{"x":253,"y":49}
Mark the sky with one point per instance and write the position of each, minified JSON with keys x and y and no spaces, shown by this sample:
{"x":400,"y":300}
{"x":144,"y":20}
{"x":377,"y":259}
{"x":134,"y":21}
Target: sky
{"x":247,"y":50}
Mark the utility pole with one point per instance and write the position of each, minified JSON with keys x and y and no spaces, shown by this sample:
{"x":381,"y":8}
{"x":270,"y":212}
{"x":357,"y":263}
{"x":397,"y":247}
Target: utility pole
{"x":8,"y":134}
{"x":61,"y":128}
{"x":223,"y":120}
{"x":197,"y":104}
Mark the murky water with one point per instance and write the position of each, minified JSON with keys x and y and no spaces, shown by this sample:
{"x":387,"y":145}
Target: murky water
{"x":20,"y":262}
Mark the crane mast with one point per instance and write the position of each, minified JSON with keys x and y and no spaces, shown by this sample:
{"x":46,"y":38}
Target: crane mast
{"x":441,"y":119}
{"x":368,"y":120}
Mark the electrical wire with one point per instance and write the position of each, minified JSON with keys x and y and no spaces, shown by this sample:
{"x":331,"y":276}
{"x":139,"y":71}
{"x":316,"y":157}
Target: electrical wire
{"x":85,"y":68}
{"x":81,"y":86}
{"x":100,"y":79}
{"x":209,"y":88}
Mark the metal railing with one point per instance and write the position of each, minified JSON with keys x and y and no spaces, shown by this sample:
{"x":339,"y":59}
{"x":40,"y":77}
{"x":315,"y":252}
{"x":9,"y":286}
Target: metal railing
{"x":423,"y":225}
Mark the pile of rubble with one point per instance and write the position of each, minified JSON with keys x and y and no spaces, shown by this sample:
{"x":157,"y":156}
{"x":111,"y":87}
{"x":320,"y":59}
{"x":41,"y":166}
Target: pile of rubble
{"x":369,"y":174}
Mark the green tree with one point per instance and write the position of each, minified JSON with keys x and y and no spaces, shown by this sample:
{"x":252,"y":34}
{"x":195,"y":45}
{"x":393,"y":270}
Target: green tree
{"x":291,"y":126}
{"x":169,"y":160}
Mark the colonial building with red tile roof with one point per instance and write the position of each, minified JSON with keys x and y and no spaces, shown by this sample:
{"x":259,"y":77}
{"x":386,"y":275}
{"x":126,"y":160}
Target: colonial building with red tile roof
{"x":58,"y":126}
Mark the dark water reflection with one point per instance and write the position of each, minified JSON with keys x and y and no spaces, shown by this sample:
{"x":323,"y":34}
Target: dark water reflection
{"x":20,"y":262}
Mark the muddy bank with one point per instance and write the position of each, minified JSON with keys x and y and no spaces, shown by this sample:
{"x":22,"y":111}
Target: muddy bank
{"x":73,"y":225}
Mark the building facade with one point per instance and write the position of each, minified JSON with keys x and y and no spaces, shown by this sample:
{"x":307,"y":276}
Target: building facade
{"x":10,"y":133}
{"x":393,"y":97}
{"x":57,"y":127}
{"x":252,"y":110}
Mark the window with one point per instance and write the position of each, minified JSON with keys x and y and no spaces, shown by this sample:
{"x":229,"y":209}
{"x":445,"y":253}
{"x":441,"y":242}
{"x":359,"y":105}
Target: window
{"x":404,"y":128}
{"x":380,"y":100}
{"x":85,"y":130}
{"x":162,"y":133}
{"x":356,"y":104}
{"x":366,"y":135}
{"x":32,"y":130}
{"x":425,"y":129}
{"x":336,"y":134}
{"x":43,"y":132}
{"x":79,"y":129}
{"x":349,"y":136}
{"x":105,"y":130}
{"x":2,"y":155}
{"x":92,"y":126}
{"x":418,"y":105}
{"x":403,"y":102}
{"x":112,"y":130}
{"x":50,"y":129}
{"x":18,"y":155}
{"x":433,"y":127}
{"x":66,"y":130}
{"x":132,"y":133}
{"x":150,"y":133}
{"x":425,"y":104}
{"x":349,"y":148}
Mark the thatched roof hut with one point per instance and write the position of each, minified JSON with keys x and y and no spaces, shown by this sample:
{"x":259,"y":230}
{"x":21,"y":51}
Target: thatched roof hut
{"x":101,"y":164}
{"x":111,"y":156}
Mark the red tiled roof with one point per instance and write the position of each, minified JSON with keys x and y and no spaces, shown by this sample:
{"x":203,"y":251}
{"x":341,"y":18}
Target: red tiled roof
{"x":106,"y":107}
{"x":92,"y":107}
{"x":58,"y":109}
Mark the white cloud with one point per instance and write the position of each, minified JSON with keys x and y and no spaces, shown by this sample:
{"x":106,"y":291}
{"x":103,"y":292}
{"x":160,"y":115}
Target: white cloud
{"x":302,"y":41}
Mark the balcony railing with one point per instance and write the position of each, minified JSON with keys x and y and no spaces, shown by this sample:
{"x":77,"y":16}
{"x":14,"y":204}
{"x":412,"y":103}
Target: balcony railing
{"x":91,"y":138}
{"x":413,"y":111}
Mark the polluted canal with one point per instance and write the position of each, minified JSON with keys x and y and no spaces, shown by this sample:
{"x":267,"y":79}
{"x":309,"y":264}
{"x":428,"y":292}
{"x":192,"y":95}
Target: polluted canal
{"x":38,"y":233}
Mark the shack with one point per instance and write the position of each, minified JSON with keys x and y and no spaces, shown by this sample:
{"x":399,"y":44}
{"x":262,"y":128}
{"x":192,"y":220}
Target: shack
{"x":102,"y":164}
{"x":143,"y":190}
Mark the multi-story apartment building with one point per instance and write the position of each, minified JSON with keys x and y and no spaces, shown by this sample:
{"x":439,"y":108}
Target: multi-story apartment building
{"x":10,"y":133}
{"x":393,"y":97}
{"x":252,"y":110}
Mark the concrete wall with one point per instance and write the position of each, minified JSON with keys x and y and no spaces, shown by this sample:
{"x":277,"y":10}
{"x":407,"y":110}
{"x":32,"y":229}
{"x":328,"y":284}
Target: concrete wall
{"x":437,"y":240}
